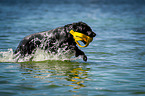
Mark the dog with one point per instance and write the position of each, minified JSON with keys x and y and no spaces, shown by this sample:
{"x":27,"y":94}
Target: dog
{"x":52,"y":40}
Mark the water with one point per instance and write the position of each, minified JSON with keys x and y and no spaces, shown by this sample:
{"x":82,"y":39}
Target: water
{"x":116,"y":57}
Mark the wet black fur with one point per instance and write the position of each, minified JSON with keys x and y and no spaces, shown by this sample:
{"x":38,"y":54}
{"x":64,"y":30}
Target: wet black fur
{"x":60,"y":35}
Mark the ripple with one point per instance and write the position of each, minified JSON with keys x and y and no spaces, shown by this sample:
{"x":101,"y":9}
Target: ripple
{"x":116,"y":55}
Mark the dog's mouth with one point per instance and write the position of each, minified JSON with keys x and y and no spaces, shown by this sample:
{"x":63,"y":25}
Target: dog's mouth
{"x":81,"y":37}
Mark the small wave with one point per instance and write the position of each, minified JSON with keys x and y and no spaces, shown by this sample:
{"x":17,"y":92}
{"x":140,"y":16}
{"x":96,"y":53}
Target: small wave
{"x":39,"y":55}
{"x":7,"y":56}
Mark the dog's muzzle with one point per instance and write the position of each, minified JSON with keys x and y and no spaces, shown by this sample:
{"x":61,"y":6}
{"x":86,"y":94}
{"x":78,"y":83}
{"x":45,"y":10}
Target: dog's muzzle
{"x":81,"y":37}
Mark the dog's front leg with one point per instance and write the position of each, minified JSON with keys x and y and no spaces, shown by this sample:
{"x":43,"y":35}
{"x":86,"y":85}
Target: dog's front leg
{"x":80,"y":53}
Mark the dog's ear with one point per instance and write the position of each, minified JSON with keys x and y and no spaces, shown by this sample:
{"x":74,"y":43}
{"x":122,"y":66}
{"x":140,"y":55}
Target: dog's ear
{"x":74,"y":27}
{"x":77,"y":27}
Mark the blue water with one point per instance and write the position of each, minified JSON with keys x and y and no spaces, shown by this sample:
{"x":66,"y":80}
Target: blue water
{"x":116,"y":57}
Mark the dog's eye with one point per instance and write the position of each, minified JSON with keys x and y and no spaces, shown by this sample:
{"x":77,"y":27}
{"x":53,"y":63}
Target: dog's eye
{"x":91,"y":34}
{"x":87,"y":28}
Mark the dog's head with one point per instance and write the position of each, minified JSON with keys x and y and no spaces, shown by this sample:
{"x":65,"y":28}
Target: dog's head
{"x":81,"y":32}
{"x":83,"y":28}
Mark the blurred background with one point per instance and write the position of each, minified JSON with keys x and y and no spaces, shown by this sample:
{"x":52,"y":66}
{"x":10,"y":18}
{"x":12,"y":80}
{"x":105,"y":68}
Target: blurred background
{"x":116,"y":57}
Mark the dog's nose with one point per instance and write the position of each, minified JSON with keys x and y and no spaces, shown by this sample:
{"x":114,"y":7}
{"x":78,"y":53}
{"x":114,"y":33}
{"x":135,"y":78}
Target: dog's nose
{"x":93,"y":34}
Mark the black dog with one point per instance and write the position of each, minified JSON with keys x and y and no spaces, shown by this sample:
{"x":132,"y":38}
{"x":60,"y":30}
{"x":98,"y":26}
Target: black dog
{"x":55,"y":39}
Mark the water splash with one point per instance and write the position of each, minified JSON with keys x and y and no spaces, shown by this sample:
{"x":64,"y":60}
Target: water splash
{"x":7,"y":56}
{"x":39,"y":55}
{"x":49,"y":49}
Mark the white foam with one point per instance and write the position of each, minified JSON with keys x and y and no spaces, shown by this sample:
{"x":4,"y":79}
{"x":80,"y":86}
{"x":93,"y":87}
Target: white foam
{"x":39,"y":55}
{"x":7,"y":56}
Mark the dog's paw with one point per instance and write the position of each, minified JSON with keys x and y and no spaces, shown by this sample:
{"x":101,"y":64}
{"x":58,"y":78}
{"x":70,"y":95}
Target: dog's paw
{"x":84,"y":57}
{"x":82,"y":54}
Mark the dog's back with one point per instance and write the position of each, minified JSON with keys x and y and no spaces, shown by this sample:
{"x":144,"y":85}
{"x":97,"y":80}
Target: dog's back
{"x":48,"y":40}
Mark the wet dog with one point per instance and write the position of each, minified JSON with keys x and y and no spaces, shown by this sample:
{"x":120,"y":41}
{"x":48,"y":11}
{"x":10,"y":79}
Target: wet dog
{"x":56,"y":39}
